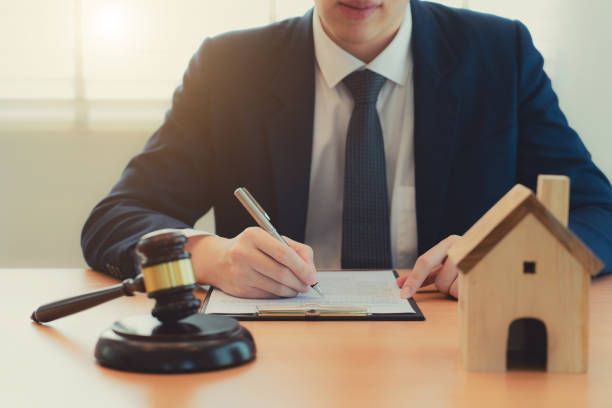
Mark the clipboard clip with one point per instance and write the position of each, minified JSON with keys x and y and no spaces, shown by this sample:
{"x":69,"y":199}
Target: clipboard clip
{"x":312,"y":310}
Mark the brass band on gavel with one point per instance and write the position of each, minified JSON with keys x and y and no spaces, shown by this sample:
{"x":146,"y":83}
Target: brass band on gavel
{"x":168,"y":275}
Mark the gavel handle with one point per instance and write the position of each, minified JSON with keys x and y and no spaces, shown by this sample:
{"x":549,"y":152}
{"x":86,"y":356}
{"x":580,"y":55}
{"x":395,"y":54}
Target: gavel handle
{"x":65,"y":307}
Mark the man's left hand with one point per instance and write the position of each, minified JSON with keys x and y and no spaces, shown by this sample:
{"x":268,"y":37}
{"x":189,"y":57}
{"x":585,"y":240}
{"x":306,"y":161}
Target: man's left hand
{"x":432,"y":267}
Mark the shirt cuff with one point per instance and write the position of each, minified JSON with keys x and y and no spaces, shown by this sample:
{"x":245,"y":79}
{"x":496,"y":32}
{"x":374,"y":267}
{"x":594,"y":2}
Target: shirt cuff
{"x":190,"y":232}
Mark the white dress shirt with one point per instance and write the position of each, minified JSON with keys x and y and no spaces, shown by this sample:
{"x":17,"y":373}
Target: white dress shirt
{"x":332,"y":112}
{"x":333,"y":108}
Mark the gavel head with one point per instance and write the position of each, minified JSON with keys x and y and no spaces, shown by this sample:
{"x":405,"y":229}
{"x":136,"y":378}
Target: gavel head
{"x":168,"y":275}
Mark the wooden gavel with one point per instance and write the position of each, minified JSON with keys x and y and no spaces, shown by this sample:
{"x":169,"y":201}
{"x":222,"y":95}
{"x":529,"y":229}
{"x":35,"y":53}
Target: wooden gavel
{"x":167,"y":276}
{"x":177,"y":338}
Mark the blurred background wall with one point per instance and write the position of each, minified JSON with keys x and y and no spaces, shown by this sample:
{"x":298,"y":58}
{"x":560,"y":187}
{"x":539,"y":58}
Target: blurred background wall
{"x":84,"y":83}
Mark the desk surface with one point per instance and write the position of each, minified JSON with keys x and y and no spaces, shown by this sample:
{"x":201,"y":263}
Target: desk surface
{"x":298,"y":363}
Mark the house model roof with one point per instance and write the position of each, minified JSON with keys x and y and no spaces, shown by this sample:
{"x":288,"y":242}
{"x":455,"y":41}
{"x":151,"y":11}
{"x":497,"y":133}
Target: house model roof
{"x":502,"y":218}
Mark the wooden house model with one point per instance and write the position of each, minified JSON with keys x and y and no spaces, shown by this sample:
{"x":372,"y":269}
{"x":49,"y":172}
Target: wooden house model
{"x":523,"y":285}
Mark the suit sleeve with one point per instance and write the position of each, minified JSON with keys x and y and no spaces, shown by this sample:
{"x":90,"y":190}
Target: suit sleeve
{"x":547,"y":145}
{"x":168,"y":185}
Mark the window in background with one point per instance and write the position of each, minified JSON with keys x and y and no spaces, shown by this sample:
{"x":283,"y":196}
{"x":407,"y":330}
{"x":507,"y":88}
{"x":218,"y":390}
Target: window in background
{"x":100,"y":63}
{"x":137,"y":49}
{"x":37,"y":47}
{"x":109,"y":62}
{"x":37,"y":53}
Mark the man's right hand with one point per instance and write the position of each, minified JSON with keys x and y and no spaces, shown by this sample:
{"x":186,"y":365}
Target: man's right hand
{"x":253,"y":264}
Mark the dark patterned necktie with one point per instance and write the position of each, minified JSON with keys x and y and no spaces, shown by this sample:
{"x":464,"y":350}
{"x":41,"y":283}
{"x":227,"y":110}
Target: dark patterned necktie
{"x":366,"y":241}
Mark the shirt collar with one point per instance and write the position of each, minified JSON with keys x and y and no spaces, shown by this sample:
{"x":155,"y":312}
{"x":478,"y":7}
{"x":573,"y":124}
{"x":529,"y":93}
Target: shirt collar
{"x":335,"y":63}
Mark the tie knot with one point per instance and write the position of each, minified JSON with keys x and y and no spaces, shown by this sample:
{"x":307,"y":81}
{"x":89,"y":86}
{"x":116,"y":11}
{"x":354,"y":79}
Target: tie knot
{"x":364,"y":85}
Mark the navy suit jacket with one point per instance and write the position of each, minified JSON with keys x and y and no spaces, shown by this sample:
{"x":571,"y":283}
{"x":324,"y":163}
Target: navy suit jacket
{"x":486,"y":118}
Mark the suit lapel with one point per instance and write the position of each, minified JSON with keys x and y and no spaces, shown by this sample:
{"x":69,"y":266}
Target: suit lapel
{"x":436,"y":114}
{"x":289,"y":128}
{"x":290,"y":117}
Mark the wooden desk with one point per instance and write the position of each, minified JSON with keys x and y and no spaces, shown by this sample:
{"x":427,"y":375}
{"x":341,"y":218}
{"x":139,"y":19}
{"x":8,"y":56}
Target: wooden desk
{"x":380,"y":364}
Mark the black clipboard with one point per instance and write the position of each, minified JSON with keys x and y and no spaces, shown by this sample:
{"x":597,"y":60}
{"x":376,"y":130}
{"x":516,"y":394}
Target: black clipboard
{"x":324,"y":314}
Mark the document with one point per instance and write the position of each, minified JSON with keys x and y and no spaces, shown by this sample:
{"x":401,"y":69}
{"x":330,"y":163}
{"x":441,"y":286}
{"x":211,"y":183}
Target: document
{"x":374,"y":290}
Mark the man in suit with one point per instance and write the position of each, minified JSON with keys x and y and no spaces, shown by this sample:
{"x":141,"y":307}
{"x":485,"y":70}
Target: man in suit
{"x":374,"y":131}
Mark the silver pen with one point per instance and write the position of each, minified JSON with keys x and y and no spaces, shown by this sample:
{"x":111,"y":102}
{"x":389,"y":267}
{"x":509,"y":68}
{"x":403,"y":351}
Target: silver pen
{"x":263,"y":220}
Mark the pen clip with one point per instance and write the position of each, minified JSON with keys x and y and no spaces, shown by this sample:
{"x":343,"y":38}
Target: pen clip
{"x":254,"y":201}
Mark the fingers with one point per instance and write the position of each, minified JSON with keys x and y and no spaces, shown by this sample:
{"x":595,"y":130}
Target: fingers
{"x":284,"y":255}
{"x":257,"y":265}
{"x":425,"y":265}
{"x":447,"y":275}
{"x":431,"y":278}
{"x":262,"y":282}
{"x":267,"y":266}
{"x":454,"y":289}
{"x":303,"y":250}
{"x":248,"y":292}
{"x":400,"y":281}
{"x":428,"y":281}
{"x":238,"y":267}
{"x":245,"y":282}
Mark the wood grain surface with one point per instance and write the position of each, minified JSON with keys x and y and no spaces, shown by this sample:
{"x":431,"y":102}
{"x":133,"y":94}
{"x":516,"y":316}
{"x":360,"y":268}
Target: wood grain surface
{"x":299,"y":364}
{"x":554,"y":191}
{"x":496,"y":292}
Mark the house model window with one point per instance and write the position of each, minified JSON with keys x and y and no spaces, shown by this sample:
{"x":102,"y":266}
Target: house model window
{"x":529,"y":267}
